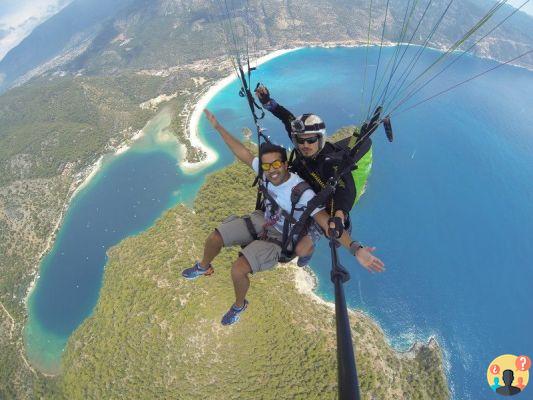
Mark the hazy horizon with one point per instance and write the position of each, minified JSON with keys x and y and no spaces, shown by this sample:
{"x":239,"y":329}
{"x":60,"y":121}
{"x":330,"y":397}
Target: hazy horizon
{"x":18,"y":18}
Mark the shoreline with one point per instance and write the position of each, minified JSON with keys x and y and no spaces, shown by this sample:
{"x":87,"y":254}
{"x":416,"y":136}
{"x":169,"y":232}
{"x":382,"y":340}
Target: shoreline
{"x":83,"y":178}
{"x":201,"y":102}
{"x":306,"y":282}
{"x":203,"y":98}
{"x":80,"y":181}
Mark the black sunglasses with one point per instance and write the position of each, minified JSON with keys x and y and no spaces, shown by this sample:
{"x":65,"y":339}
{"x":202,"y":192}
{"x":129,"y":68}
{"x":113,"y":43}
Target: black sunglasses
{"x":309,"y":140}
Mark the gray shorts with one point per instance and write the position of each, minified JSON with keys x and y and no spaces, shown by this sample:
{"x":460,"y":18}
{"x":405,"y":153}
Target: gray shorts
{"x":260,"y":254}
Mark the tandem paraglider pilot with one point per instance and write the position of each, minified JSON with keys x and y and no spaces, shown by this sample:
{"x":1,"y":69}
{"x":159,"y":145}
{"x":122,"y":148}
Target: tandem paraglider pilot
{"x":261,"y":234}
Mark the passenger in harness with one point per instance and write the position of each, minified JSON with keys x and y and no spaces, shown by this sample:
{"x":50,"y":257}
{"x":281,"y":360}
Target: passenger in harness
{"x":316,"y":160}
{"x":262,"y":234}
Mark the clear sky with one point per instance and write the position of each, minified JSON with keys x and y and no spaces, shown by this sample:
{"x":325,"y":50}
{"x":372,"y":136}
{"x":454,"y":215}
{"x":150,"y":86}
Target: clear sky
{"x":19,"y":17}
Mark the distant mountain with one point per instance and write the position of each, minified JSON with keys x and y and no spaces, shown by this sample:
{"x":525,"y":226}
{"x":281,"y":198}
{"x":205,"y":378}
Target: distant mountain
{"x":19,"y":18}
{"x":77,"y":23}
{"x":104,"y":37}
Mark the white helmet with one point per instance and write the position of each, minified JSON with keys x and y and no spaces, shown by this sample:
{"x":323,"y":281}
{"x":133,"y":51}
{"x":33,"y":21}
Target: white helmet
{"x":309,"y":123}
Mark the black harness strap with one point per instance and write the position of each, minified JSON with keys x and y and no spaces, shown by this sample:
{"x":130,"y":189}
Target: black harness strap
{"x":297,"y":192}
{"x":250,"y":226}
{"x":298,"y":230}
{"x":275,"y":206}
{"x":293,"y":229}
{"x":287,"y":238}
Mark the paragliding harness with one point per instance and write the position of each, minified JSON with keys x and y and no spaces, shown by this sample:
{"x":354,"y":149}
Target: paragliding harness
{"x":294,"y":230}
{"x":289,"y":239}
{"x":340,"y":149}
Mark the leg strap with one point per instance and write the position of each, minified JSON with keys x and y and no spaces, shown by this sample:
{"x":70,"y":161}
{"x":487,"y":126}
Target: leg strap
{"x":250,"y":226}
{"x":283,"y":258}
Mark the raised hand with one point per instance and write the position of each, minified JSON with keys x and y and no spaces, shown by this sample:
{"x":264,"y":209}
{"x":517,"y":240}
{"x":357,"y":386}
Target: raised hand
{"x":262,"y":94}
{"x":368,"y":260}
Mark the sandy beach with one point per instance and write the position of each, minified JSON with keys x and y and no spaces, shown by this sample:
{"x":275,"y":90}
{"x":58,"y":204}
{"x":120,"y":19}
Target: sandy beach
{"x":201,"y":104}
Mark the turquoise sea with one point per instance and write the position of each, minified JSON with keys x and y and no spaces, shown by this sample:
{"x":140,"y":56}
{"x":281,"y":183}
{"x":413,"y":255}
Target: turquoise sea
{"x":448,"y":205}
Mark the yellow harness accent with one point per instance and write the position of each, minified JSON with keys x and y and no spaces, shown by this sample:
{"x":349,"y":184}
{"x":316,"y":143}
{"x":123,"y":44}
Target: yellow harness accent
{"x":323,"y":185}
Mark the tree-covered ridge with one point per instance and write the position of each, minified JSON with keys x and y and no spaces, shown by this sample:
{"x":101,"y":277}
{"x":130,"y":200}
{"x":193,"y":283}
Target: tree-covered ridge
{"x":155,"y":335}
{"x":53,"y":123}
{"x":165,"y":33}
{"x":161,"y":34}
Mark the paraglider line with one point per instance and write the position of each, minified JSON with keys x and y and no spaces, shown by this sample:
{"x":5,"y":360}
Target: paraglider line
{"x":461,"y":83}
{"x":407,"y":98}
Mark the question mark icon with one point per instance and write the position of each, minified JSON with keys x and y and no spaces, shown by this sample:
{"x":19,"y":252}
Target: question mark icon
{"x":495,"y":369}
{"x":523,"y":363}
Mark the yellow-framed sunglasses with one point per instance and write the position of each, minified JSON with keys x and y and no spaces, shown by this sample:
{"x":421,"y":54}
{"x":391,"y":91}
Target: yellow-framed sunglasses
{"x":274,"y":164}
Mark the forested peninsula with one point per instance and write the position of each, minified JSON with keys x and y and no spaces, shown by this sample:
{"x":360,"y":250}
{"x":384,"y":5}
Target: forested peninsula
{"x":156,"y":335}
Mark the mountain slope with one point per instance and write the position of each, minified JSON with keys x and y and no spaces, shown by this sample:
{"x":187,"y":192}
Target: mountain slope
{"x":141,"y":34}
{"x":72,"y":26}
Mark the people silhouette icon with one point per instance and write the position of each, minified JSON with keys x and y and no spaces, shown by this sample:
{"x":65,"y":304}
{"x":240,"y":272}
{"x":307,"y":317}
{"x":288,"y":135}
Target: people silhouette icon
{"x":508,"y":390}
{"x":496,"y":384}
{"x":521,"y":383}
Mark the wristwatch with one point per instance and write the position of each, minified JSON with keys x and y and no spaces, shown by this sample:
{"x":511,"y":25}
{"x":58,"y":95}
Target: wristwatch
{"x":354,"y":246}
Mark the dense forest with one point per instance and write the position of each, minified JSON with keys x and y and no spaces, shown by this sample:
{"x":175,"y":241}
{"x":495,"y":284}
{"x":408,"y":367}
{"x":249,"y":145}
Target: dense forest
{"x":156,"y":335}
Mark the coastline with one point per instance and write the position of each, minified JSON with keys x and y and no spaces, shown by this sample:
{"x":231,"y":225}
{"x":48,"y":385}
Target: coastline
{"x":86,"y":175}
{"x":194,"y":115}
{"x":306,"y":282}
{"x":80,"y":181}
{"x":203,"y":99}
{"x":205,"y":96}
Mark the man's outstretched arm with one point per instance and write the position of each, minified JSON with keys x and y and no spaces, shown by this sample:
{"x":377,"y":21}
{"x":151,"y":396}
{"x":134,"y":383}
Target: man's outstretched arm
{"x":237,"y":148}
{"x":363,"y":254}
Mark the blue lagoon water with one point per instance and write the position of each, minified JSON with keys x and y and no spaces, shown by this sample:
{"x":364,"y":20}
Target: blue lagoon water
{"x":126,"y":196}
{"x":448,"y":205}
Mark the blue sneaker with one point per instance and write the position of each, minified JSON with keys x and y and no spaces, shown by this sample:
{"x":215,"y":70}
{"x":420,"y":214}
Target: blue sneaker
{"x":196,"y":271}
{"x":233,"y":314}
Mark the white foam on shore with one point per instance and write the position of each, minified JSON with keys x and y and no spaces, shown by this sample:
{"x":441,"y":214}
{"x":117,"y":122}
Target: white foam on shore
{"x":306,"y":283}
{"x":196,"y":115}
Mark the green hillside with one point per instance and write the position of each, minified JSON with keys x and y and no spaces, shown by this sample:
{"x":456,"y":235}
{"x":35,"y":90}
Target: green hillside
{"x":155,"y":335}
{"x":49,"y":132}
{"x":53,"y":122}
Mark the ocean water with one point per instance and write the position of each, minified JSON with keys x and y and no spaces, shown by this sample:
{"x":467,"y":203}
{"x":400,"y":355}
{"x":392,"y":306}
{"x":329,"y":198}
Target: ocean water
{"x":448,"y":205}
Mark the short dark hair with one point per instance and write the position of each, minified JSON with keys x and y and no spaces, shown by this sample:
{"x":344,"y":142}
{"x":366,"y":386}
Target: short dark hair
{"x":268,"y":147}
